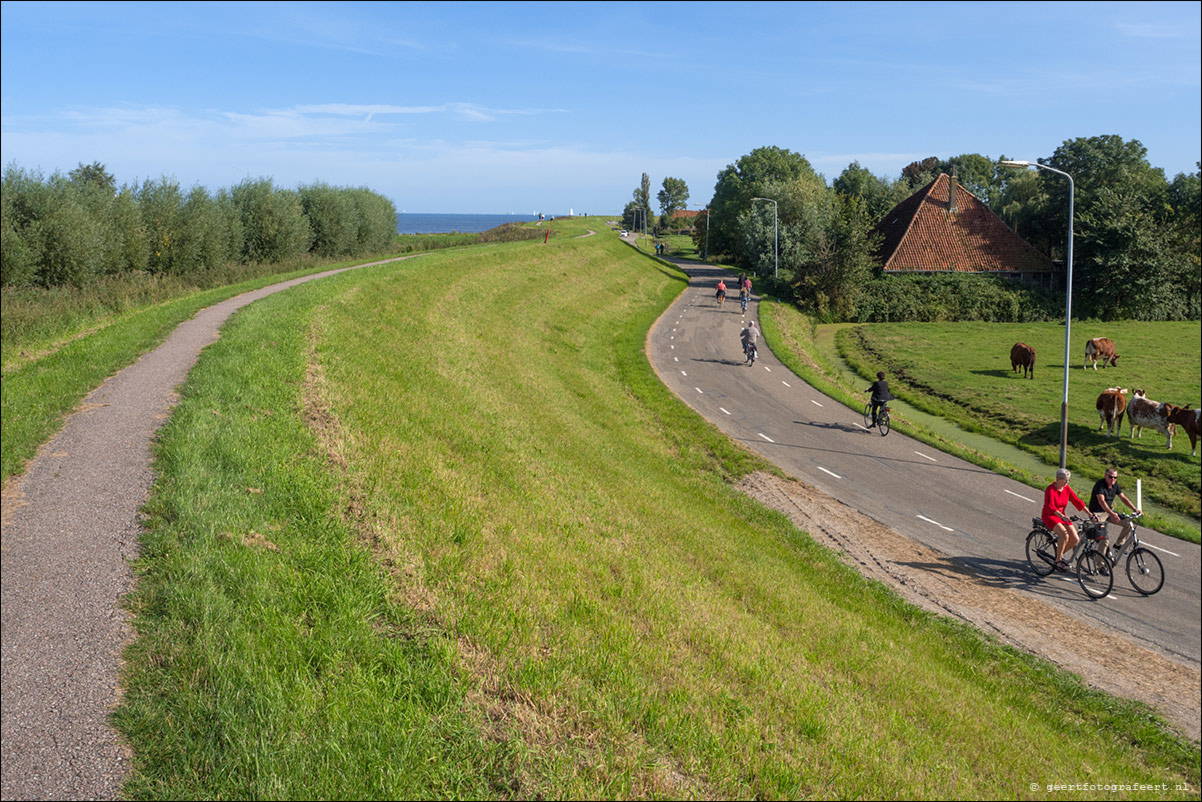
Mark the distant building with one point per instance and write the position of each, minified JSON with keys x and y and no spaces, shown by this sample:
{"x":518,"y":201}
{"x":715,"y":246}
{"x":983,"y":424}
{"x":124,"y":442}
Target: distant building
{"x":944,"y":228}
{"x":684,"y":214}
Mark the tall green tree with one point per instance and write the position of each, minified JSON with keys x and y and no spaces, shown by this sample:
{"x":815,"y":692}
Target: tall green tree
{"x":751,"y":176}
{"x":673,"y":197}
{"x":879,"y":195}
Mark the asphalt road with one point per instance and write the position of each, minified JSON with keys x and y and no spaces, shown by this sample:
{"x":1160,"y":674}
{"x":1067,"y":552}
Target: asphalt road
{"x":968,"y":513}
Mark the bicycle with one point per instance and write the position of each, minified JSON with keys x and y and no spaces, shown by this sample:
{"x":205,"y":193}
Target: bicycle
{"x":1144,"y":569}
{"x":751,"y":351}
{"x":1095,"y":571}
{"x":882,"y":421}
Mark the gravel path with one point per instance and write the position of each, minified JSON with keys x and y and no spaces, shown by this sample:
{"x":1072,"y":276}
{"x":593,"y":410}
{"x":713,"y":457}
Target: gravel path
{"x":70,"y":529}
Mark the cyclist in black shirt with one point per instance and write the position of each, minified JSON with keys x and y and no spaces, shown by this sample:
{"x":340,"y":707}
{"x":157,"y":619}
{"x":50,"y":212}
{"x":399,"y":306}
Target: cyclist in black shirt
{"x":1101,"y":503}
{"x":880,"y":394}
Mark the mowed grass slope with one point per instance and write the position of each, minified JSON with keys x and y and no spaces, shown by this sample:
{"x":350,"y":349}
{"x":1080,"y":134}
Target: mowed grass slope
{"x":962,"y":372}
{"x":437,"y":530}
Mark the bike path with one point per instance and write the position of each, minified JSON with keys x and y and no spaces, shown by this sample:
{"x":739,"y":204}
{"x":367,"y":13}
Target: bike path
{"x":976,"y":517}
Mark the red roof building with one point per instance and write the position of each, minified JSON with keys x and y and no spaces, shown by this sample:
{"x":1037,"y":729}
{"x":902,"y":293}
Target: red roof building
{"x":944,"y":228}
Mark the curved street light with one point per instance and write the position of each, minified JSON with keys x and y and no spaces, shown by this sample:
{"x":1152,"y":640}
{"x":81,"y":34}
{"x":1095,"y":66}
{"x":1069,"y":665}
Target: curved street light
{"x":775,"y":239}
{"x":1068,"y":293}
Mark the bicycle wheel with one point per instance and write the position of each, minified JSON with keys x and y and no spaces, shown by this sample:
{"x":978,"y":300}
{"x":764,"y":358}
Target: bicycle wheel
{"x":882,"y":422}
{"x":868,"y":416}
{"x":1144,"y":571}
{"x":1041,"y":551}
{"x":1095,"y":574}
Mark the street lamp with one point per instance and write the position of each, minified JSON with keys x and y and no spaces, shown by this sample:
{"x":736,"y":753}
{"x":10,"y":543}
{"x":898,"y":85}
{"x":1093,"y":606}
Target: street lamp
{"x":1068,"y":293}
{"x":775,"y":239}
{"x":707,"y":234}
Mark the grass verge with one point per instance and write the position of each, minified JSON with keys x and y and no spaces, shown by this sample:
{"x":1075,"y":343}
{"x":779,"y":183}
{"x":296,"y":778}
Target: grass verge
{"x":462,"y":542}
{"x":1009,"y":413}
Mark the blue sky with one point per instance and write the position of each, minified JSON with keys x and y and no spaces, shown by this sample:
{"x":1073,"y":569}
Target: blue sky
{"x":522,"y":107}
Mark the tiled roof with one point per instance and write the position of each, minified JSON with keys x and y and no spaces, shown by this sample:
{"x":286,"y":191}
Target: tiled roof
{"x":922,"y":234}
{"x":685,"y":213}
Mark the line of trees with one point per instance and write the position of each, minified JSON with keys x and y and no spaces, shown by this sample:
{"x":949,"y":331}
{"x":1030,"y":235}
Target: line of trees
{"x":673,"y":197}
{"x":67,"y":229}
{"x":1137,"y":244}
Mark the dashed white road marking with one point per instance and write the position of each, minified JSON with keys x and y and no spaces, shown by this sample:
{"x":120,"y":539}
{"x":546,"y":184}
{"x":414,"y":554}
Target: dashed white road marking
{"x":941,"y":526}
{"x":785,"y":383}
{"x":1024,"y":498}
{"x":832,"y":473}
{"x":924,"y":456}
{"x":698,"y":389}
{"x":723,"y":410}
{"x":682,"y":373}
{"x":767,"y":368}
{"x":815,"y":403}
{"x":766,"y":437}
{"x":1158,"y":548}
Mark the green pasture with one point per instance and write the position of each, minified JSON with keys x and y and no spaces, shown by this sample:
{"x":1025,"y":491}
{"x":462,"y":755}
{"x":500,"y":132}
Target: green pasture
{"x":436,"y":529}
{"x":962,"y":372}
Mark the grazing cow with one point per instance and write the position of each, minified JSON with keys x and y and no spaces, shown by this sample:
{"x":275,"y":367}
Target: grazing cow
{"x":1143,"y":412}
{"x":1112,"y":403}
{"x":1190,"y":420}
{"x":1022,"y":356}
{"x":1100,"y":348}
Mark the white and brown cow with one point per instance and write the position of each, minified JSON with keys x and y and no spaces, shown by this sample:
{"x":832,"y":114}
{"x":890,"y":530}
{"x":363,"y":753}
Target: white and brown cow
{"x":1100,"y":348}
{"x":1112,"y":403}
{"x":1142,"y":412}
{"x":1022,"y":356}
{"x":1190,"y":420}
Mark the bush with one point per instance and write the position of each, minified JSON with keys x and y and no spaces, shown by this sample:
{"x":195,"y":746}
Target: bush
{"x":950,"y":297}
{"x":273,"y":222}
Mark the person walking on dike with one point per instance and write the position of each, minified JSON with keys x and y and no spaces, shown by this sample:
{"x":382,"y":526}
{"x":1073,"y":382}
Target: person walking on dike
{"x":721,"y":294}
{"x":880,"y":395}
{"x":750,"y":337}
{"x":1101,"y":502}
{"x":1056,"y":497}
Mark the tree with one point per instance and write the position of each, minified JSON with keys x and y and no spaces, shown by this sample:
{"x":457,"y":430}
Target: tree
{"x":673,"y":197}
{"x":879,"y":194}
{"x":976,"y":173}
{"x":96,"y":175}
{"x":738,"y":183}
{"x":920,"y":173}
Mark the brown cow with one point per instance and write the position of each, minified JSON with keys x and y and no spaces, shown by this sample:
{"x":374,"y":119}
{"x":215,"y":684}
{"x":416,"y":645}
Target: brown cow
{"x":1190,"y":420}
{"x":1022,"y":356}
{"x":1143,"y":412}
{"x":1100,"y":348}
{"x":1112,"y":403}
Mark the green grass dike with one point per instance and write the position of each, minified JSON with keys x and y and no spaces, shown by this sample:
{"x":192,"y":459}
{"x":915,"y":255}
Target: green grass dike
{"x":437,"y":530}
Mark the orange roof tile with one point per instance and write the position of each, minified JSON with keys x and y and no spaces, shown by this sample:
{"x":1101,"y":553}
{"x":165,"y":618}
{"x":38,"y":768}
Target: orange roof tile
{"x":921,"y":234}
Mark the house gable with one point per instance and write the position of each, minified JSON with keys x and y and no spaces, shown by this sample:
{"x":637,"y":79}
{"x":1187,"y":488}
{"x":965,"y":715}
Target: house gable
{"x":945,"y":228}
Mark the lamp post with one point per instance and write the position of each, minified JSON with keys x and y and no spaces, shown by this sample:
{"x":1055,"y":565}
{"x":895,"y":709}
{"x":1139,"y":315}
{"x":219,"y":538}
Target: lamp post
{"x":707,"y":234}
{"x":775,"y":239}
{"x":1068,"y":296}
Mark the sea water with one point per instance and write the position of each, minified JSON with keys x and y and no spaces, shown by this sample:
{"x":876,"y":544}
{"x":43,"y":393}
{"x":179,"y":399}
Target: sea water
{"x":408,"y":223}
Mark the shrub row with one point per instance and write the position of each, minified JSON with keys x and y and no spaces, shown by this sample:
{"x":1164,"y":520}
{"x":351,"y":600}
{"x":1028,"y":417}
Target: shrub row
{"x":953,"y":297}
{"x":70,"y":229}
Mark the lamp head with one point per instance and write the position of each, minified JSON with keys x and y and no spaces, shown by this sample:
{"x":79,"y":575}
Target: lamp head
{"x":1009,"y":163}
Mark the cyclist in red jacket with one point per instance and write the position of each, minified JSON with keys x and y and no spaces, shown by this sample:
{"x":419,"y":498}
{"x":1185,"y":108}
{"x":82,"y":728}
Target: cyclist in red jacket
{"x":1055,"y":500}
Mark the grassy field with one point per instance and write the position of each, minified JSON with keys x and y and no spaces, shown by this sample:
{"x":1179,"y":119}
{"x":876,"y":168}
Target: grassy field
{"x":436,"y":529}
{"x":930,"y":366}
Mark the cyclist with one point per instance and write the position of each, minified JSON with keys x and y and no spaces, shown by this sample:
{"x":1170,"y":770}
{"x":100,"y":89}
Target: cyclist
{"x":721,"y":294}
{"x":1101,"y":502}
{"x":750,"y":337}
{"x":1056,"y":497}
{"x":744,"y":296}
{"x":880,"y":395}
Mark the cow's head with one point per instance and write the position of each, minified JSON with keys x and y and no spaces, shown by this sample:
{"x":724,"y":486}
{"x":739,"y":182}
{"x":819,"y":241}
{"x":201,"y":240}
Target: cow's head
{"x":1140,"y":394}
{"x":1114,"y":361}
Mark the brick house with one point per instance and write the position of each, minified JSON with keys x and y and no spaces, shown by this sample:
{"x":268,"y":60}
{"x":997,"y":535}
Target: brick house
{"x":944,"y":228}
